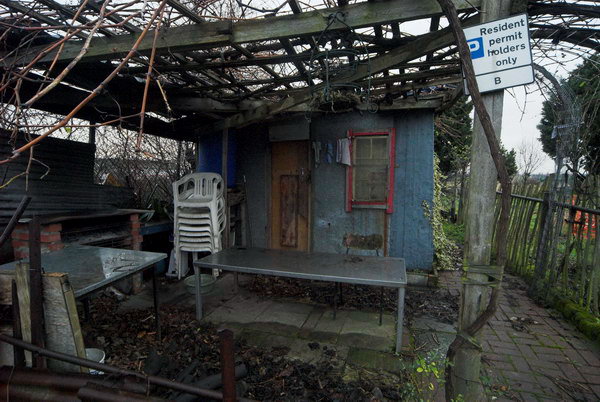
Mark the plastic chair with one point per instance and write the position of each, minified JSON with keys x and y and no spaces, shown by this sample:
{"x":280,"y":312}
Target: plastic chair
{"x":199,"y":217}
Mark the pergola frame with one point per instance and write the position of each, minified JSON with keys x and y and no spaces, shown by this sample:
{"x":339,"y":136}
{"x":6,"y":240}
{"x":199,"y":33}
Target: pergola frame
{"x":216,"y":74}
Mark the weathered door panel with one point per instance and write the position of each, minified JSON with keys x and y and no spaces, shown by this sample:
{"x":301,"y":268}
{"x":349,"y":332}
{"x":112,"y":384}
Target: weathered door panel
{"x":290,"y":195}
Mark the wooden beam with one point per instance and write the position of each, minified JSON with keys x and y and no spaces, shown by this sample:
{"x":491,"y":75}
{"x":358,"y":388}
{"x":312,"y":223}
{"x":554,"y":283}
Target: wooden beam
{"x":422,"y":45}
{"x":374,"y":81}
{"x":222,"y":33}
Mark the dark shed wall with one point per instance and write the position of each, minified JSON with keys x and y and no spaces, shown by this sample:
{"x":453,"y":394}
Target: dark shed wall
{"x":253,"y":161}
{"x":67,"y":186}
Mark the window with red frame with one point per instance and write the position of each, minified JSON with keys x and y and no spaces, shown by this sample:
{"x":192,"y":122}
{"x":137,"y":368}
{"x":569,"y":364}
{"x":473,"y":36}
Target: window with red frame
{"x":370,"y":177}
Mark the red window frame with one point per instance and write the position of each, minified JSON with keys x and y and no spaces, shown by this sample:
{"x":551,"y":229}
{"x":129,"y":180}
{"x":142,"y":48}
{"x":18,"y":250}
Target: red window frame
{"x":389,"y":202}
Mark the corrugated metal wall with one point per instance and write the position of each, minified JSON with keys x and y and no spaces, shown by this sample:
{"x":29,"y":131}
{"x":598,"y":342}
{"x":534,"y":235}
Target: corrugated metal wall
{"x":68,"y":184}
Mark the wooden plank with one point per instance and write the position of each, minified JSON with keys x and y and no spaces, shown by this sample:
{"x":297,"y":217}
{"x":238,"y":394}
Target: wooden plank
{"x":63,"y":331}
{"x":221,"y":33}
{"x":289,"y":210}
{"x":22,"y":279}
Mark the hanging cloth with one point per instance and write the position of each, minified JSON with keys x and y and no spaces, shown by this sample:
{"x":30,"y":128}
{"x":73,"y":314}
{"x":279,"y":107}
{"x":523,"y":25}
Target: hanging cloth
{"x":343,"y":151}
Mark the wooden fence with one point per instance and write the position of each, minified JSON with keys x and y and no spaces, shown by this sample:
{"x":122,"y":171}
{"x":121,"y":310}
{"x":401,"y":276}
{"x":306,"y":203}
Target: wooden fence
{"x":556,"y":246}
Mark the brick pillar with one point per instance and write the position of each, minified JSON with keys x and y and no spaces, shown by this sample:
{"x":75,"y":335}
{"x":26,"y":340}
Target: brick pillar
{"x":136,"y":244}
{"x":49,"y":238}
{"x":136,"y":237}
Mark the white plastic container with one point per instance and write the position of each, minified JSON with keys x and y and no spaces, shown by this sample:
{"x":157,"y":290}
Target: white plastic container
{"x":96,"y":355}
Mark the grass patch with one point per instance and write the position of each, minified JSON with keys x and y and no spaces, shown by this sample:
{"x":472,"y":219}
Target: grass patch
{"x":454,"y":232}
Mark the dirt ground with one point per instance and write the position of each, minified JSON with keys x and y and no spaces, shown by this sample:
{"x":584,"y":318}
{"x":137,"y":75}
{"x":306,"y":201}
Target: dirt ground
{"x":189,"y":352}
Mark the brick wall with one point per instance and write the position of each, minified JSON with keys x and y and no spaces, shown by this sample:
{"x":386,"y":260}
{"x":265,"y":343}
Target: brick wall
{"x":49,"y":238}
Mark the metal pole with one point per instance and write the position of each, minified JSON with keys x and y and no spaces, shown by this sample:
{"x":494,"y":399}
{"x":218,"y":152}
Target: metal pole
{"x":156,"y":303}
{"x":400,"y":318}
{"x":225,"y":174}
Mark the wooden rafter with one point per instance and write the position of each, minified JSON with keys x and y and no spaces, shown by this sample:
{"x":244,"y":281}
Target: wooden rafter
{"x":222,"y":33}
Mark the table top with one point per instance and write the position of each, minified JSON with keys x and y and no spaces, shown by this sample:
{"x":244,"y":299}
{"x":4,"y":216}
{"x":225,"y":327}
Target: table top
{"x":91,"y":268}
{"x":371,"y":270}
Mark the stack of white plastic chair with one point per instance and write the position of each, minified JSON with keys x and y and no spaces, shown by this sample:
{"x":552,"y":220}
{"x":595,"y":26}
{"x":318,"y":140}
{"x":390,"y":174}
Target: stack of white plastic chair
{"x":199,"y":218}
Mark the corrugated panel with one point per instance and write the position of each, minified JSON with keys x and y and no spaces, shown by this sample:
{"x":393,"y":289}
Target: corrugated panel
{"x":67,"y":184}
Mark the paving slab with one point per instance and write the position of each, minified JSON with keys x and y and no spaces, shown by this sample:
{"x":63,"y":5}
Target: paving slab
{"x":362,"y":329}
{"x":240,"y":309}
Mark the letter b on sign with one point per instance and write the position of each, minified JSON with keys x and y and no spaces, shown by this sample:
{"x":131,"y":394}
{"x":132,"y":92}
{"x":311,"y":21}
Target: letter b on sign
{"x":476,"y":47}
{"x":497,"y":80}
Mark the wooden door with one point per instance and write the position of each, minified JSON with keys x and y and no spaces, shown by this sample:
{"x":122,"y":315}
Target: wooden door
{"x":290,"y":194}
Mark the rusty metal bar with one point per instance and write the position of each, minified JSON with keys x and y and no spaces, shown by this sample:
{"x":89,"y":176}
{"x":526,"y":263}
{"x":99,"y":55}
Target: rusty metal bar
{"x":101,"y":393}
{"x":12,"y":392}
{"x":66,"y":381}
{"x":36,"y":297}
{"x":14,"y":219}
{"x":227,"y":365}
{"x":163,"y":382}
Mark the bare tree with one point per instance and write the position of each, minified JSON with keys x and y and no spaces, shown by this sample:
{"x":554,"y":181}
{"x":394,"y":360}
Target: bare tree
{"x":529,"y":159}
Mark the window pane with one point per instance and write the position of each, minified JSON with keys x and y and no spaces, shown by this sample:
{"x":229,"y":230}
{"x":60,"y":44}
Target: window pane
{"x":370,"y":167}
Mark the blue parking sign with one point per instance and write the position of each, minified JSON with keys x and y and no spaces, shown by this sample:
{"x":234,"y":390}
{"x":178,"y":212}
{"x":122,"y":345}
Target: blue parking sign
{"x":476,"y":47}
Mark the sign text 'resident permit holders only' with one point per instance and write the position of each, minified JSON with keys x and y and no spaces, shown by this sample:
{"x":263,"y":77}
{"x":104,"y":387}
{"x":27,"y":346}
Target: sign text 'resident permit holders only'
{"x":501,"y":53}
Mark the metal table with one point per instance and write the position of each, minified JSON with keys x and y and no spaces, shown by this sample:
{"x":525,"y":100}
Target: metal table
{"x":93,"y":268}
{"x":339,"y":268}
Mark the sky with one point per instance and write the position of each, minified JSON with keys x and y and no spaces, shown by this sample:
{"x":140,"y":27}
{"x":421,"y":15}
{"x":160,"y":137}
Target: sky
{"x":521,"y":115}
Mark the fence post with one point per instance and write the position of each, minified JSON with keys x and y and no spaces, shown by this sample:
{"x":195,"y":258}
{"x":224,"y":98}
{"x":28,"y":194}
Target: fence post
{"x":545,"y":223}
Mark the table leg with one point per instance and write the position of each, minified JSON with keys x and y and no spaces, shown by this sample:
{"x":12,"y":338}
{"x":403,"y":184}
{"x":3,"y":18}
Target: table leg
{"x":335,"y":289}
{"x":400,"y":322}
{"x":236,"y":282}
{"x":156,"y":305}
{"x":198,"y":295}
{"x":381,"y":306}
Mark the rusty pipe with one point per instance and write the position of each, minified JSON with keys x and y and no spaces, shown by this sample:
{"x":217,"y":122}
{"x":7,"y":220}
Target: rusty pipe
{"x":64,"y":381}
{"x":100,"y":393}
{"x":17,"y":392}
{"x":163,"y":382}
